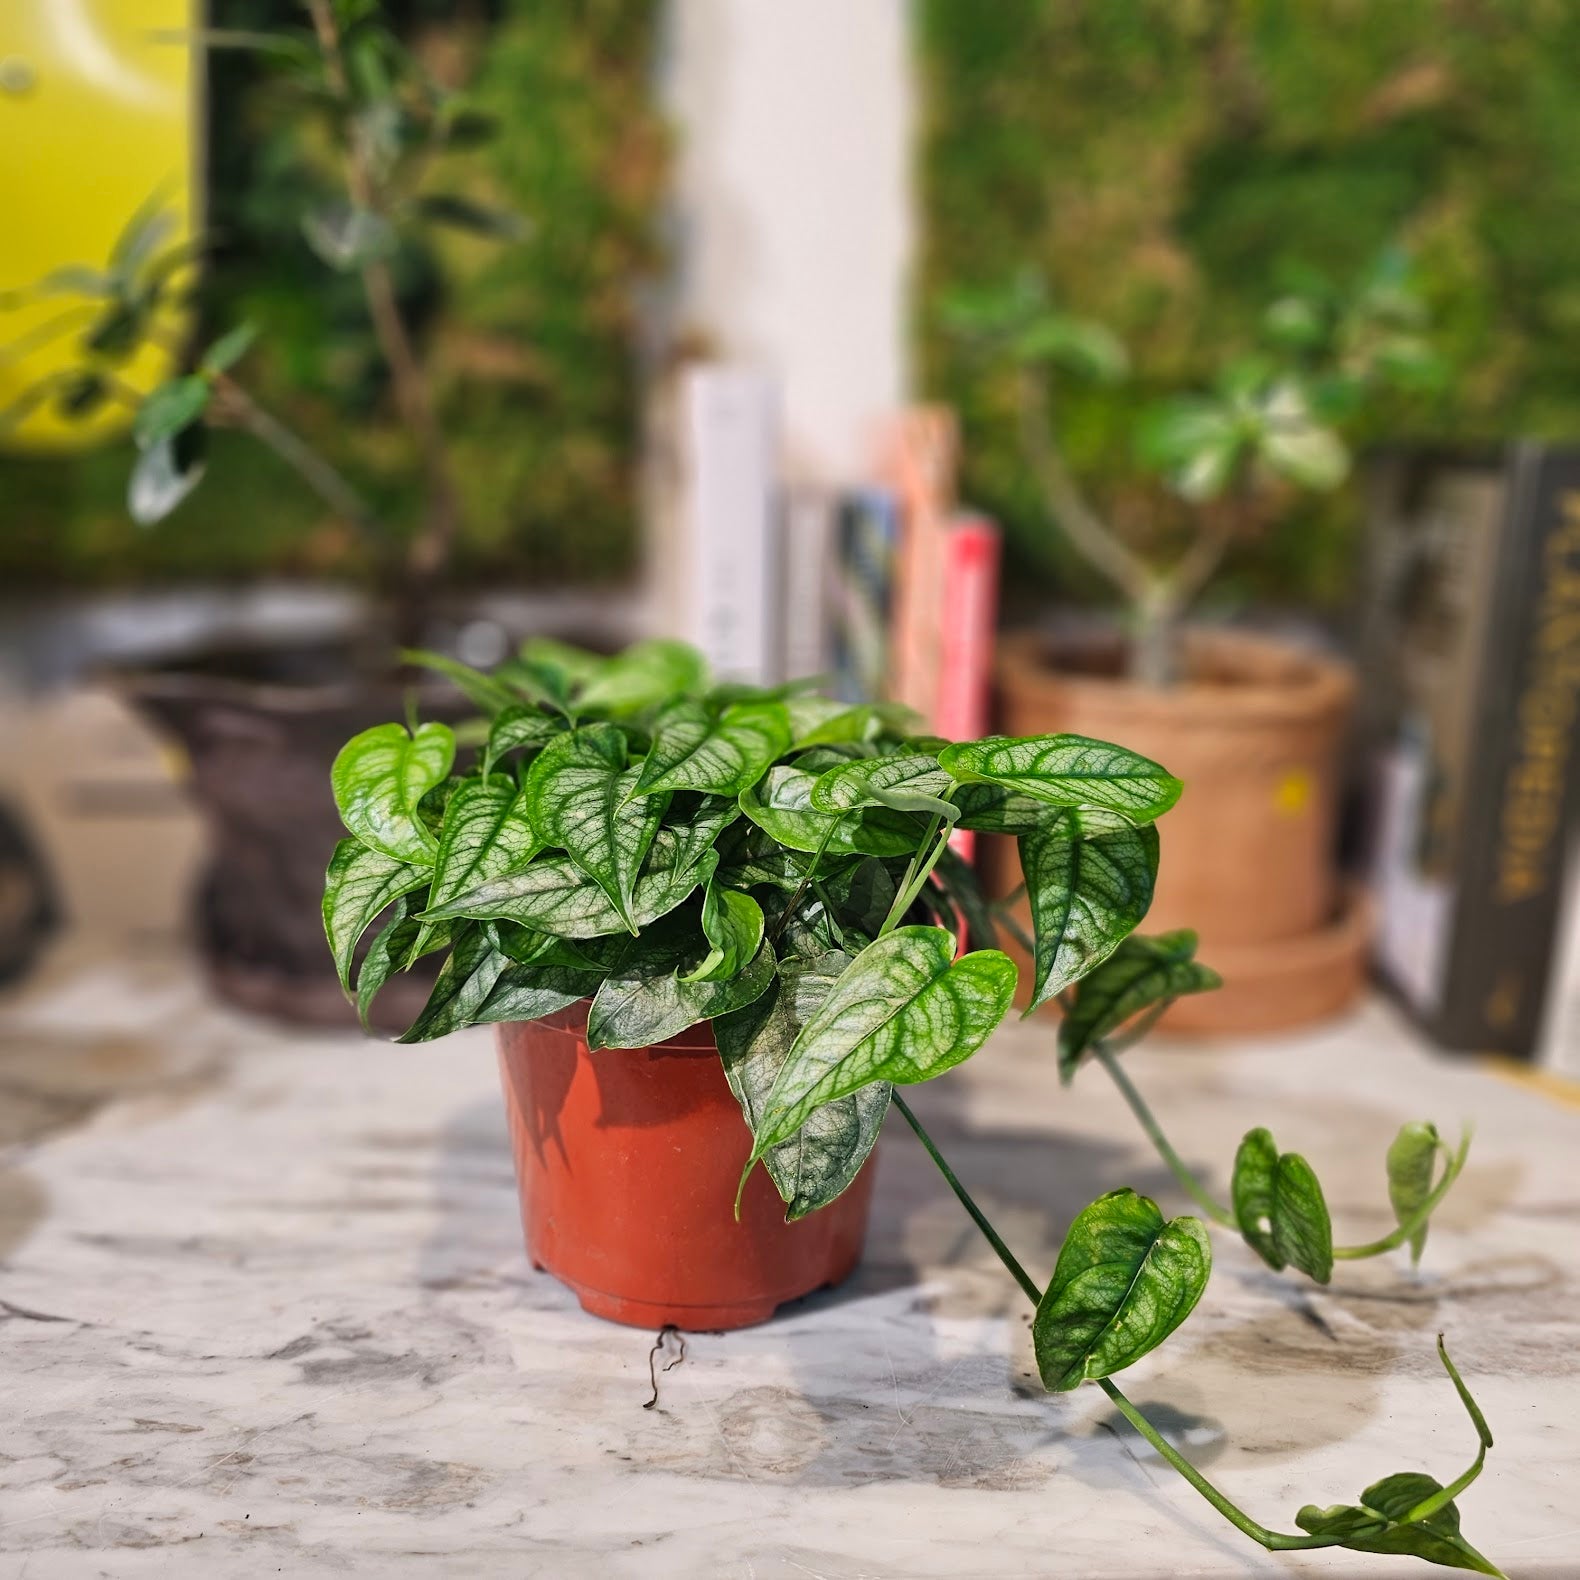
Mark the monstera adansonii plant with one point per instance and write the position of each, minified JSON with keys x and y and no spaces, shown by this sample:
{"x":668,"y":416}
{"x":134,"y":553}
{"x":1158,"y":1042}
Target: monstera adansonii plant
{"x":673,"y":851}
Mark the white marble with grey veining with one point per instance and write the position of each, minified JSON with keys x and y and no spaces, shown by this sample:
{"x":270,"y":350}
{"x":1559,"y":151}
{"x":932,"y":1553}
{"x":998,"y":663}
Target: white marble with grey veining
{"x":267,"y":1312}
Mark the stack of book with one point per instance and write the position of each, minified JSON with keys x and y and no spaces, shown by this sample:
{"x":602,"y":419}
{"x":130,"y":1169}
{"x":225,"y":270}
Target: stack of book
{"x":1472,"y":709}
{"x":890,"y":590}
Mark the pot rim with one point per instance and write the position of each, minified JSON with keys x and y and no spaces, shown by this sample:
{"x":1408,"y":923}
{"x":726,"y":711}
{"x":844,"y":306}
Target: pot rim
{"x":1282,"y":683}
{"x":696,"y":1039}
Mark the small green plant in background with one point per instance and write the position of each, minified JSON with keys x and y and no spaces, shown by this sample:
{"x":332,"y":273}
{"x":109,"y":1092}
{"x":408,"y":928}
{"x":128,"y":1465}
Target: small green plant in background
{"x":442,"y":399}
{"x":672,"y":851}
{"x":1272,"y":423}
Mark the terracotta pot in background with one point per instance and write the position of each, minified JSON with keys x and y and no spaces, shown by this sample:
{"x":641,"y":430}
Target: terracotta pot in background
{"x":1255,"y":731}
{"x":628,"y":1162}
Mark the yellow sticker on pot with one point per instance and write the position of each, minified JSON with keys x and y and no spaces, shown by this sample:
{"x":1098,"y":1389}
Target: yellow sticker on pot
{"x":1294,"y":792}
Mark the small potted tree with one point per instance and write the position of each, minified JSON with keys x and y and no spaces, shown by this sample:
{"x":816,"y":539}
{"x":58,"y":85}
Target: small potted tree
{"x":383,"y":168}
{"x":721,"y":927}
{"x":1254,"y":724}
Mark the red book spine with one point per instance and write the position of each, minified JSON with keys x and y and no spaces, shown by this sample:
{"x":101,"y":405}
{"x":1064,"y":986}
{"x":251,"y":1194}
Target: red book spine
{"x":964,"y":682}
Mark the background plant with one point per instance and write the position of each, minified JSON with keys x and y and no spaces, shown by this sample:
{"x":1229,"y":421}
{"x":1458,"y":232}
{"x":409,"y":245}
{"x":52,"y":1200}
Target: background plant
{"x":1234,"y":456}
{"x":533,"y":343}
{"x":672,"y":851}
{"x":1170,"y":169}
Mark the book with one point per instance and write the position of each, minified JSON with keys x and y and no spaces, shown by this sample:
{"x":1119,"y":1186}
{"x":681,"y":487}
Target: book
{"x":924,"y":450}
{"x":806,"y":543}
{"x":861,"y":589}
{"x":1472,"y":657}
{"x":968,"y":614}
{"x":723,"y":554}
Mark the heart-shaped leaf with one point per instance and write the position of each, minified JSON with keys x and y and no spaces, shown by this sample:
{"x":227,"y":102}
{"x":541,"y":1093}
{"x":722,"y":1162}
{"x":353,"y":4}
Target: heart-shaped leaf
{"x":398,"y":945}
{"x":902,"y":781}
{"x":861,"y":894}
{"x":781,"y":805}
{"x":904,"y":1011}
{"x":1125,"y":1279}
{"x":1411,"y":1157}
{"x":529,"y":992}
{"x":732,"y":922}
{"x":578,"y":798}
{"x":694,"y":749}
{"x":644,"y":1000}
{"x":1279,"y":1206}
{"x":1141,"y":973}
{"x":1067,"y":770}
{"x":521,"y":726}
{"x":1086,"y":896}
{"x":824,"y":1156}
{"x":360,"y":883}
{"x":554,"y":895}
{"x":463,"y":987}
{"x":645,"y":675}
{"x":487,"y":833}
{"x":380,"y":777}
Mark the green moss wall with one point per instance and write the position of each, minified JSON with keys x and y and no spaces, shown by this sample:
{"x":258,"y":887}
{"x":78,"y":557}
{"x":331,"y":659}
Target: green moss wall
{"x":1173,"y":164}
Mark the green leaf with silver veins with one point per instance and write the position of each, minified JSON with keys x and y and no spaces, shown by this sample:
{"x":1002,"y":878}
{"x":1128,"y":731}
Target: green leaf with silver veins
{"x":1125,"y":1279}
{"x":466,"y":981}
{"x":645,"y":1000}
{"x":1411,"y":1157}
{"x":380,"y":777}
{"x":1067,"y":770}
{"x":824,"y":1156}
{"x":1141,"y":973}
{"x":1279,"y":1206}
{"x":732,"y":922}
{"x":901,"y":781}
{"x":360,"y":883}
{"x":904,"y":1011}
{"x":781,"y":805}
{"x":1086,"y":896}
{"x":577,"y":795}
{"x":696,"y":747}
{"x":398,"y":946}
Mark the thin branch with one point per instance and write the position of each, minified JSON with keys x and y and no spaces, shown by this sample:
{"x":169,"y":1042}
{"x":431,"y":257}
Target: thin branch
{"x":237,"y":408}
{"x":430,"y":546}
{"x":1064,"y":501}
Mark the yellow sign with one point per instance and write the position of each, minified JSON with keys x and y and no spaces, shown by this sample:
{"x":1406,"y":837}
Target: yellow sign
{"x":99,"y":116}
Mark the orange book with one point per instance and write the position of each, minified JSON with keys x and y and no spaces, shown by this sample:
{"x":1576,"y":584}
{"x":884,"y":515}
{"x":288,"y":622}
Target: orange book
{"x":923,"y":455}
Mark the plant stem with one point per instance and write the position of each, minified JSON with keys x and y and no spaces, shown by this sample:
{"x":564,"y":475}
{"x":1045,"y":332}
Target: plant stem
{"x":1197,"y":1192}
{"x":244,"y":412}
{"x":430,"y":547}
{"x":978,"y":1217}
{"x":915,"y":877}
{"x":1389,"y":1242}
{"x":1274,"y":1541}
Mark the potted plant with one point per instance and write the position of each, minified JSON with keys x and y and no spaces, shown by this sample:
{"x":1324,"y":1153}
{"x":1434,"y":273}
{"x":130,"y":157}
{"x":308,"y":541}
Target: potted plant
{"x":720,"y":927}
{"x":382,"y":168}
{"x":1254,"y":725}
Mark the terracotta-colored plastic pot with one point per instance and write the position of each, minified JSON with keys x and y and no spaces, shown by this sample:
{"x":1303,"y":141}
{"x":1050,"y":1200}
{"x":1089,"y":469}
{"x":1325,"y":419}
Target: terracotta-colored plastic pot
{"x":628,"y":1162}
{"x":1255,"y":731}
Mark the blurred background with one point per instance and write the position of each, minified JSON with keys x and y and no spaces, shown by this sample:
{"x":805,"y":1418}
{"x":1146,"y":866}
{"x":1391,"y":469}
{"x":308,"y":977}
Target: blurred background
{"x":1198,"y":375}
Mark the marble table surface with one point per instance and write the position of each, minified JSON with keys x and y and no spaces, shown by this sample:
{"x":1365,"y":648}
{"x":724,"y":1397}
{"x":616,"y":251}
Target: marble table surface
{"x":264,"y":1309}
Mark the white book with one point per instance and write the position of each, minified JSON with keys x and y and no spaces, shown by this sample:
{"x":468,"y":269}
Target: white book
{"x":725,"y":561}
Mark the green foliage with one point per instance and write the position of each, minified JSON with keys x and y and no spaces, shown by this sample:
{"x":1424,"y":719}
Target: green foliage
{"x":1172,"y":170}
{"x":1281,"y":1209}
{"x":1125,"y":1279}
{"x":802,"y":898}
{"x":528,"y":349}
